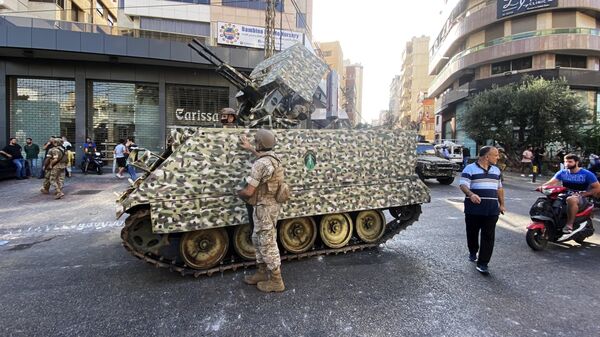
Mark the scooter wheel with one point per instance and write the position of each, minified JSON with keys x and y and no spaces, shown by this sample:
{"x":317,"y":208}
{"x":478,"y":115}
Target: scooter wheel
{"x":535,"y":239}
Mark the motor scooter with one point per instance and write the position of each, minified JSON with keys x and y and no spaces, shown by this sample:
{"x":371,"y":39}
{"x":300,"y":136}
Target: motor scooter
{"x":549,"y":216}
{"x":92,"y":163}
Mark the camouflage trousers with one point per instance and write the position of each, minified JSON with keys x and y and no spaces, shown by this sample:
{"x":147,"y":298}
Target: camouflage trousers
{"x":56,"y":177}
{"x":264,"y":235}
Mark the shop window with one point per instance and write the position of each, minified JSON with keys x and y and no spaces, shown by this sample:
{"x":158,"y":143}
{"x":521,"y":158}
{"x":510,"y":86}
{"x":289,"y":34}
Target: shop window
{"x":121,"y":110}
{"x":571,"y":61}
{"x":252,"y":4}
{"x":41,"y":108}
{"x":189,"y":105}
{"x":516,"y":64}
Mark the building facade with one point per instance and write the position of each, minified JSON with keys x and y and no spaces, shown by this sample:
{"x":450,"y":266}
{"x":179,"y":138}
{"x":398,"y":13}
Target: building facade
{"x":333,"y":55}
{"x":483,"y":43}
{"x":80,"y":79}
{"x":413,"y":80}
{"x":354,"y":90}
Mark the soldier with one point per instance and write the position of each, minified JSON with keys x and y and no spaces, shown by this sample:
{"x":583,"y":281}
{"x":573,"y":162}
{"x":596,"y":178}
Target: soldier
{"x":228,"y":117}
{"x":260,"y":191}
{"x":55,"y":164}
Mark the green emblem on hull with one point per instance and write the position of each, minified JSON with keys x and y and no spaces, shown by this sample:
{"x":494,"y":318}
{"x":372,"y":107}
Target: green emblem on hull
{"x":310,"y":160}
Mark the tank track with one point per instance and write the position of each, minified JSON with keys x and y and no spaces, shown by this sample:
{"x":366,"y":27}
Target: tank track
{"x":392,"y":228}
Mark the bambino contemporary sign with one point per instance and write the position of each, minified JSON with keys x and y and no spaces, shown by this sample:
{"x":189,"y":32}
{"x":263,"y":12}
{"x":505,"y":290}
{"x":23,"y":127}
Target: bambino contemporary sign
{"x":254,"y":37}
{"x":512,"y":7}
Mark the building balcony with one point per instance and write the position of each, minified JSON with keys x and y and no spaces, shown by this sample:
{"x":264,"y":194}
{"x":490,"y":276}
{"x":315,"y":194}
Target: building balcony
{"x":450,"y":97}
{"x":481,"y":15}
{"x":585,"y":40}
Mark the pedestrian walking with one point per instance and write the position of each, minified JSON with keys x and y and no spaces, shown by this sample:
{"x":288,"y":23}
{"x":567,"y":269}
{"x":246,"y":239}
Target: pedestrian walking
{"x":131,"y":147}
{"x":266,"y":171}
{"x":466,"y":153}
{"x":13,"y":152}
{"x":70,"y":156}
{"x":32,"y":152}
{"x":526,"y":160}
{"x":538,"y":159}
{"x":481,"y":183}
{"x":119,"y":154}
{"x":55,"y":164}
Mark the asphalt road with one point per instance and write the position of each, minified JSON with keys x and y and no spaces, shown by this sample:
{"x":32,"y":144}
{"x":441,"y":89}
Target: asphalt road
{"x":64,"y":272}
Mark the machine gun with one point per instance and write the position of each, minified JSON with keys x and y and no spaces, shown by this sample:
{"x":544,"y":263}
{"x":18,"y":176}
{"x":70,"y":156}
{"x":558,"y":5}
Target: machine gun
{"x":279,"y":91}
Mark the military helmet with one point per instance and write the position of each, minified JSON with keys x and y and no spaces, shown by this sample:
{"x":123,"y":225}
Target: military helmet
{"x":265,"y":139}
{"x":228,"y":111}
{"x":57,"y":141}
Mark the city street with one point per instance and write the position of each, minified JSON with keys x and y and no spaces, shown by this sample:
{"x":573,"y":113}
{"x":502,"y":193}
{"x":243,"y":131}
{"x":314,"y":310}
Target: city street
{"x":63,"y":271}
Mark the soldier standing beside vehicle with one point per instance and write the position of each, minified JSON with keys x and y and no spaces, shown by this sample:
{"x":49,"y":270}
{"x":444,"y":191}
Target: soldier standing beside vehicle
{"x":265,"y":177}
{"x":484,"y":201}
{"x":55,"y":164}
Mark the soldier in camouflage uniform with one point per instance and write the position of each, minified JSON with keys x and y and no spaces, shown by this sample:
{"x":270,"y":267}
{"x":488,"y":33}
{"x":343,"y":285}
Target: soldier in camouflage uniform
{"x":228,"y":117}
{"x":260,"y":191}
{"x":55,"y":164}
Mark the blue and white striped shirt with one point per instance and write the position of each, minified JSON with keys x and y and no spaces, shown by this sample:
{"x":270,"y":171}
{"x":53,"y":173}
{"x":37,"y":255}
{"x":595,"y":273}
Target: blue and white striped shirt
{"x":486,"y":185}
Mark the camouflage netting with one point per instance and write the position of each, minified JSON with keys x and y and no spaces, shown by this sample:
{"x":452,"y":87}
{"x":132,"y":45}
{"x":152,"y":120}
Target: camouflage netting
{"x":355,"y":170}
{"x":295,"y":68}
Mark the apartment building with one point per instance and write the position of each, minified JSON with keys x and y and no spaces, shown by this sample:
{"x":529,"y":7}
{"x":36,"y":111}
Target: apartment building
{"x":487,"y":42}
{"x":412,"y":81}
{"x":354,"y":89}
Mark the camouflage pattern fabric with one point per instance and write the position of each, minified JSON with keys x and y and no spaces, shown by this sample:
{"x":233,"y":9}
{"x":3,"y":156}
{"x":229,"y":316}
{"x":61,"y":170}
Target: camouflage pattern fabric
{"x":264,"y":235}
{"x":328,"y":171}
{"x":261,"y":173}
{"x":295,"y":68}
{"x":56,"y":177}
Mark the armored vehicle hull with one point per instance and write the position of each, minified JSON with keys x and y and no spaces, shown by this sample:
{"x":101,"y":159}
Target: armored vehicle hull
{"x":184,"y":213}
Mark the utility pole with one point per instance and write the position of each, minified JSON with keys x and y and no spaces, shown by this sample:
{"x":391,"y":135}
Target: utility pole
{"x":270,"y":29}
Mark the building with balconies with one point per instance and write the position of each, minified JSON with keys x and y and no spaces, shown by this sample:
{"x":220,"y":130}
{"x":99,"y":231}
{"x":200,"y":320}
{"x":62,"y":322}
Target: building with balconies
{"x":496,"y":42}
{"x":353,"y":87}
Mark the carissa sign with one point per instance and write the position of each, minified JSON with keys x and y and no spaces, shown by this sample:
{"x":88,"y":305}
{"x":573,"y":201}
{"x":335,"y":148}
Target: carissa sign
{"x":254,"y":37}
{"x":195,"y":118}
{"x":512,"y":7}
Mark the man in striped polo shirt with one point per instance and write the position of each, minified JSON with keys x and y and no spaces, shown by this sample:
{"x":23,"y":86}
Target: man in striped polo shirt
{"x":484,"y":201}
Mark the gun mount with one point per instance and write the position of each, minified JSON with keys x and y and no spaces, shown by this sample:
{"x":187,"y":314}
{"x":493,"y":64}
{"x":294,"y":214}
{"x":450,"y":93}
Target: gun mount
{"x":279,"y":92}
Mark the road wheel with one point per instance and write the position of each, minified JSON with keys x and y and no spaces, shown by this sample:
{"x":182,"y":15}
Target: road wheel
{"x":446,"y":181}
{"x":370,"y":225}
{"x":336,"y":230}
{"x":535,"y":239}
{"x":242,"y":242}
{"x":204,"y":249}
{"x":298,"y":235}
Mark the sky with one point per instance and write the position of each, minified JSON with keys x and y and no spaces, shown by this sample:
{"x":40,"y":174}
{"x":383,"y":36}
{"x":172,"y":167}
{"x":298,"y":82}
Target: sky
{"x":374,"y":33}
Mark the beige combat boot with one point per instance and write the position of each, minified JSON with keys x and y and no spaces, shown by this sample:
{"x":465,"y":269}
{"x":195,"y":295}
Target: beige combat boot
{"x":260,"y":275}
{"x":275,"y":282}
{"x":44,"y":191}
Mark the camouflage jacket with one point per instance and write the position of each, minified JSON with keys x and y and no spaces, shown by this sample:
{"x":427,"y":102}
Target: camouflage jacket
{"x":261,"y":177}
{"x":60,"y":154}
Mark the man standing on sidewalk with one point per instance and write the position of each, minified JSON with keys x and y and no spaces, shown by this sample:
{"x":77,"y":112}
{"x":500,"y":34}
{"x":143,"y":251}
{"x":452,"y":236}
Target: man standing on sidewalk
{"x":482,"y":186}
{"x":32,"y":152}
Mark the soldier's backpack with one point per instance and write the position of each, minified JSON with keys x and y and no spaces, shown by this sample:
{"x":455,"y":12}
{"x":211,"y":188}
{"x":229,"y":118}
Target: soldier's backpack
{"x":283,"y":193}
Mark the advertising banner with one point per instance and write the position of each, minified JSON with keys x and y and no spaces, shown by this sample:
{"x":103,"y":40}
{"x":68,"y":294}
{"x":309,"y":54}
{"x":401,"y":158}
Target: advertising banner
{"x":254,"y":37}
{"x":512,"y":7}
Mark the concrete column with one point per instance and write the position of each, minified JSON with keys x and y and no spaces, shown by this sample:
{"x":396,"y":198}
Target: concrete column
{"x":3,"y":105}
{"x":81,"y":130}
{"x":162,"y":109}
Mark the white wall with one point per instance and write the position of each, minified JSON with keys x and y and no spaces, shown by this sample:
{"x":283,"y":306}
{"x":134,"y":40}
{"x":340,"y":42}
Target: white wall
{"x":168,"y":10}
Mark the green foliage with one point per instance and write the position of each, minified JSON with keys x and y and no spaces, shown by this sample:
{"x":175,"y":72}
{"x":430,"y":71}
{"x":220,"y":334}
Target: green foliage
{"x":541,"y":111}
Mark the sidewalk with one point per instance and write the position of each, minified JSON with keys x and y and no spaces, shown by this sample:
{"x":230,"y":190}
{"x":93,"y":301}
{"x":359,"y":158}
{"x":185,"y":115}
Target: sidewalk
{"x":89,"y":203}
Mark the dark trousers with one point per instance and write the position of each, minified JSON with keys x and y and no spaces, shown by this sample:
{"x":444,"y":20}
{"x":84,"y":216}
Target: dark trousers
{"x":487,"y":226}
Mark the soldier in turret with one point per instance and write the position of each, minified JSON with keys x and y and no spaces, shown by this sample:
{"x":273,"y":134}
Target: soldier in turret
{"x":228,"y":117}
{"x":266,"y":175}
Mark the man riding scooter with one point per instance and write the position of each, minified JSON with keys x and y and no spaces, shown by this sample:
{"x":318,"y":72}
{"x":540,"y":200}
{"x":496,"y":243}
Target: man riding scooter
{"x":584,"y":184}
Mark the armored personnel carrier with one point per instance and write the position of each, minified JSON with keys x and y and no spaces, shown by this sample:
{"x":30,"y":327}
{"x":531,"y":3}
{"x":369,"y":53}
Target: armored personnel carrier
{"x":184,"y":214}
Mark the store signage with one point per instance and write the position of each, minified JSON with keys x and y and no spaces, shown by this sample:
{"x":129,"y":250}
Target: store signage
{"x":196,"y":117}
{"x":254,"y":37}
{"x":512,"y":7}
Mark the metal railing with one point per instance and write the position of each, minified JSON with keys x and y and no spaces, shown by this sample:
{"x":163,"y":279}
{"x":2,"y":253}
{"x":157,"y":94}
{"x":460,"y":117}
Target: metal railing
{"x":97,"y":29}
{"x":520,"y":36}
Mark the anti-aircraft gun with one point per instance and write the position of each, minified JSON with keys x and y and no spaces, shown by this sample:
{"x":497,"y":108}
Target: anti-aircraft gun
{"x":279,"y":91}
{"x":184,"y":216}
